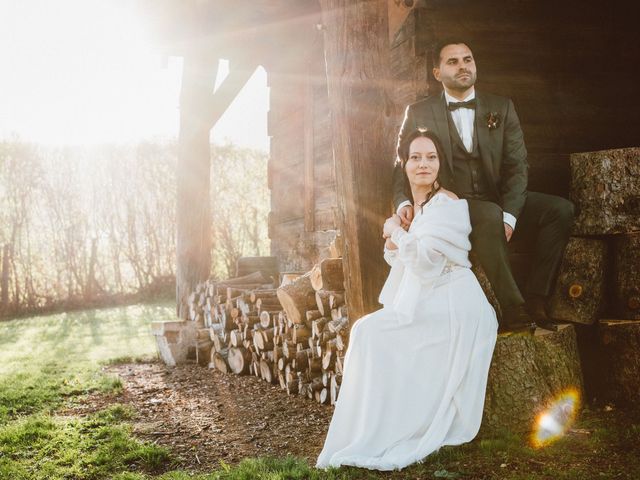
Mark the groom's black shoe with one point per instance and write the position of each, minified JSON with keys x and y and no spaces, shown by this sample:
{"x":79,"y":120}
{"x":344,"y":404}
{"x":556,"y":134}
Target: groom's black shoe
{"x":535,"y":306}
{"x":515,"y":319}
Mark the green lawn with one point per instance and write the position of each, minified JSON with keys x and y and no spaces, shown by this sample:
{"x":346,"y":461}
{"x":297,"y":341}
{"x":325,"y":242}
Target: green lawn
{"x":53,"y":361}
{"x":44,"y":360}
{"x":50,"y":363}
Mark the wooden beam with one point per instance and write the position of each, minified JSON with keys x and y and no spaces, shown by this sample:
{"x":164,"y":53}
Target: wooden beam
{"x":309,"y":191}
{"x":193,"y":232}
{"x":239,"y":75}
{"x":357,"y":59}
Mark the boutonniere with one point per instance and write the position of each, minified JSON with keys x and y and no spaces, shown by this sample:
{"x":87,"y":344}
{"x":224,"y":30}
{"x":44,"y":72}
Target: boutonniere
{"x":493,"y":120}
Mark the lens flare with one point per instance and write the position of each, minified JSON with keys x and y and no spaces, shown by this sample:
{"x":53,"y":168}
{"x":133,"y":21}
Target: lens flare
{"x":556,"y":419}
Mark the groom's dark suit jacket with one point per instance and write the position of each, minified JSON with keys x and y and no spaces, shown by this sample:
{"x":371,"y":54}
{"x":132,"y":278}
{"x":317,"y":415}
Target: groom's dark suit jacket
{"x":502,"y":149}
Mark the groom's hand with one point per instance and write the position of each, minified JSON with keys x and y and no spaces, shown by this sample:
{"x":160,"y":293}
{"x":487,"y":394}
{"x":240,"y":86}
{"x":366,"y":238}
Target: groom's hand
{"x":390,"y":225}
{"x":508,"y":231}
{"x":406,"y":216}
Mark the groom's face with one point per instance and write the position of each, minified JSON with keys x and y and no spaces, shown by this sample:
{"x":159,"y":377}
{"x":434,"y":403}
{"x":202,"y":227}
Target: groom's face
{"x":457,"y":68}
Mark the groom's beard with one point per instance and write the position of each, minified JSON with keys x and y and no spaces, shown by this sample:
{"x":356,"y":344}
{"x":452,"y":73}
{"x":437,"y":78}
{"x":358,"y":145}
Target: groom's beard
{"x":461,"y":82}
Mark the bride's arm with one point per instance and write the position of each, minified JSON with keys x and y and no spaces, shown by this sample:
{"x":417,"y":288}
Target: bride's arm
{"x":416,"y":251}
{"x":390,"y":248}
{"x":390,"y":251}
{"x":442,"y":234}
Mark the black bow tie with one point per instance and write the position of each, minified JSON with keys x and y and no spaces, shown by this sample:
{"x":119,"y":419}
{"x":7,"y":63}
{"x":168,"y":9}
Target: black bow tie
{"x":468,"y":104}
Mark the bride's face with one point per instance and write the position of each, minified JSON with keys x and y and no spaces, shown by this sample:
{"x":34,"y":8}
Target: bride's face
{"x":423,"y":163}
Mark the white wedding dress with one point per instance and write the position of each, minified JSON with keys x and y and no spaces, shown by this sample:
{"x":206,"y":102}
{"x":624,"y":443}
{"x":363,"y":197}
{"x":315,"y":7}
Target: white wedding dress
{"x":415,"y":372}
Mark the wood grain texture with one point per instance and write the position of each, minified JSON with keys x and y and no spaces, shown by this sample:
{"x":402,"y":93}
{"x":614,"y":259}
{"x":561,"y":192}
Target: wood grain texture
{"x":605,"y":187}
{"x":357,"y":59}
{"x":620,"y":344}
{"x":626,"y":266}
{"x":526,"y":373}
{"x":579,"y":293}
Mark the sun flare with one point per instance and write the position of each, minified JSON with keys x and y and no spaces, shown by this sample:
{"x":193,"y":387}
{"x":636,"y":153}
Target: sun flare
{"x":83,"y":72}
{"x":556,"y":419}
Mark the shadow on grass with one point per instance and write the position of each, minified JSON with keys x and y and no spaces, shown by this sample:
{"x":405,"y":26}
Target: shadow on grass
{"x":42,"y":446}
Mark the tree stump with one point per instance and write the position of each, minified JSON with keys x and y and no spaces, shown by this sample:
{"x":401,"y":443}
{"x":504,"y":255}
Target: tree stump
{"x":605,"y":186}
{"x":322,"y":302}
{"x":204,"y":345}
{"x":266,"y":371}
{"x":620,"y":346}
{"x":526,"y":373}
{"x":328,"y":275}
{"x":297,"y":297}
{"x":239,"y":359}
{"x":251,"y":280}
{"x":484,"y":284}
{"x":268,"y":266}
{"x":627,"y":276}
{"x":579,"y":292}
{"x":219,"y":360}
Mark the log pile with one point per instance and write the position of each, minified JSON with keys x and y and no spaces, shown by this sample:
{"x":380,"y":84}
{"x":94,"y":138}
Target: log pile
{"x":626,"y":268}
{"x":601,"y":267}
{"x":294,"y":336}
{"x":599,"y":276}
{"x":620,"y":347}
{"x":580,"y":288}
{"x":605,"y":186}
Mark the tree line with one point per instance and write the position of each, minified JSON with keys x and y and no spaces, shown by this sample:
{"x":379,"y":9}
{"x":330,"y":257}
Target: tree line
{"x":85,"y":225}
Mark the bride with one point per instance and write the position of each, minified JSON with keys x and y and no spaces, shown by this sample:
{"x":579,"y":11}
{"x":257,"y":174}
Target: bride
{"x":415,"y":372}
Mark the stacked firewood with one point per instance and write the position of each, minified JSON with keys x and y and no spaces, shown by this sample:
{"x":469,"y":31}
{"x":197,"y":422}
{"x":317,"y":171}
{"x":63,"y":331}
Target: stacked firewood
{"x":294,"y":335}
{"x":599,"y":278}
{"x":605,"y":243}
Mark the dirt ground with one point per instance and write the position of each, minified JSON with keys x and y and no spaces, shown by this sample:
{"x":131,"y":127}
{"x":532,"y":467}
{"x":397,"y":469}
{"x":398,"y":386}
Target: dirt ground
{"x":205,"y":416}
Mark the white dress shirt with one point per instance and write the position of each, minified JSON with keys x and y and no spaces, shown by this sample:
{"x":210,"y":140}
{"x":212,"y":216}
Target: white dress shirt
{"x":464,"y":120}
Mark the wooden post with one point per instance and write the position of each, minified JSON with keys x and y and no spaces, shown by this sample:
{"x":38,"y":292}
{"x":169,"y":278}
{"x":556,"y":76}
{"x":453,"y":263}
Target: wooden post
{"x":193,"y":246}
{"x":200,"y":109}
{"x":309,"y":193}
{"x":357,"y":60}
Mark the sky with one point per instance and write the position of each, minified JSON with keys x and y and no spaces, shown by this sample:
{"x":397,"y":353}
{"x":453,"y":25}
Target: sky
{"x":84,"y":72}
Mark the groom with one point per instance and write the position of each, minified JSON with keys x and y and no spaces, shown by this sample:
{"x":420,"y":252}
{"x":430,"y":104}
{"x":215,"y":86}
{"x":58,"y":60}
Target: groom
{"x":486,"y":164}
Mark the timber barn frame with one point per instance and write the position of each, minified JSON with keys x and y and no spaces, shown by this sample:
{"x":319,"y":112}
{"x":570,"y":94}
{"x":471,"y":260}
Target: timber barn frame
{"x":341,"y":73}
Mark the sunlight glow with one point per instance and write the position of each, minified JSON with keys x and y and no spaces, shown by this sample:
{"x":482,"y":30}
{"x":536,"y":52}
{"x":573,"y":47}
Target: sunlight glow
{"x":556,"y":419}
{"x":86,"y":72}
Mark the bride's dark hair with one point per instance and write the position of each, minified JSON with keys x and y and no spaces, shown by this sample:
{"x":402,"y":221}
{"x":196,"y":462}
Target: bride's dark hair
{"x":403,"y":156}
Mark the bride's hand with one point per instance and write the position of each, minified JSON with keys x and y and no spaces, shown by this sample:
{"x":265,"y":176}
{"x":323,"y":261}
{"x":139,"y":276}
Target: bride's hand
{"x":389,"y":245}
{"x":391,"y":225}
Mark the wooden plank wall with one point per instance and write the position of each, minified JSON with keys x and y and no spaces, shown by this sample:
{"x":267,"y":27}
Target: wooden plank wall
{"x":303,"y":219}
{"x":409,"y":64}
{"x":568,"y":66}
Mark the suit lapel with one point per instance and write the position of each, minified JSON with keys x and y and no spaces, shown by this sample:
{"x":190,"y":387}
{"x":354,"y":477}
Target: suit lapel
{"x":484,"y":137}
{"x":439,"y":113}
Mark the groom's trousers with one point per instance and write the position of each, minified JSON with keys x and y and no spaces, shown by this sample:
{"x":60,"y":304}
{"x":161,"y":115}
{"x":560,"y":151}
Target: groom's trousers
{"x":545,"y":222}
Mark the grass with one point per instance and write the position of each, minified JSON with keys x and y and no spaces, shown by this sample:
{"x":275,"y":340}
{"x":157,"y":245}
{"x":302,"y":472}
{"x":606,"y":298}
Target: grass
{"x":50,"y":363}
{"x":53,"y":361}
{"x":43,"y":447}
{"x":47,"y":360}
